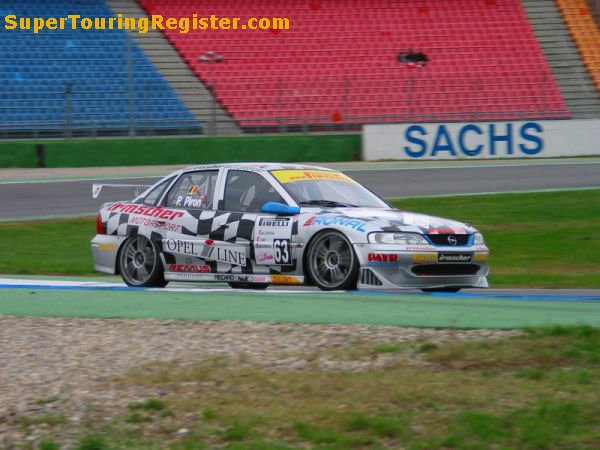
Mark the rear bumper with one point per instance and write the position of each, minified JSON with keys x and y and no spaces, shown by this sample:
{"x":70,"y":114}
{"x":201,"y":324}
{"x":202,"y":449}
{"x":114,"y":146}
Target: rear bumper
{"x":105,"y":249}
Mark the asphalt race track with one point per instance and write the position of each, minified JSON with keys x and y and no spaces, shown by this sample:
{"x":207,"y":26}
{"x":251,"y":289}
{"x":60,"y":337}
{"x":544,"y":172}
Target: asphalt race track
{"x":33,"y":199}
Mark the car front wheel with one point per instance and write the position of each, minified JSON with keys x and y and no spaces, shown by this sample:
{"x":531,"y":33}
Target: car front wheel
{"x":140,"y":263}
{"x":331,"y":262}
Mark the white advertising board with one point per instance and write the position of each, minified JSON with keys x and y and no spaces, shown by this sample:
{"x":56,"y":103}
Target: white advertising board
{"x":482,"y":140}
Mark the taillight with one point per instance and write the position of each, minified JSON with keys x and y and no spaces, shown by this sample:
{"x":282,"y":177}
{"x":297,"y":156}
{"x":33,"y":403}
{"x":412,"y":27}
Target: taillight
{"x":99,"y":225}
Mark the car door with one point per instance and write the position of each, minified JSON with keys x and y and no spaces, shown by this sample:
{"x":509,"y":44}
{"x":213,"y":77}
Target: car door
{"x":266,"y":238}
{"x":193,"y":196}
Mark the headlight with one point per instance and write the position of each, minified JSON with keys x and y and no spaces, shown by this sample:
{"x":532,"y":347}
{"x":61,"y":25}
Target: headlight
{"x":397,"y":238}
{"x":478,"y":239}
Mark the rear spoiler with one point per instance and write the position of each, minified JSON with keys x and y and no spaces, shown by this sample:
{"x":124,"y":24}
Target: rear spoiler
{"x":137,"y":188}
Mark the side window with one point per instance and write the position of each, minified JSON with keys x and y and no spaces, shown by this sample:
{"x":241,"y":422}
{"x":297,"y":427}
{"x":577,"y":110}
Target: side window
{"x":248,"y":192}
{"x":194,"y":190}
{"x":157,"y":192}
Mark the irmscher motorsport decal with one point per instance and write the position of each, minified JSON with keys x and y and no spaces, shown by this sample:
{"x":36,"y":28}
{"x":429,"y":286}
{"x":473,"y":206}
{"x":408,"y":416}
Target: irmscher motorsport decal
{"x":272,"y":240}
{"x":455,"y":257}
{"x":150,"y":211}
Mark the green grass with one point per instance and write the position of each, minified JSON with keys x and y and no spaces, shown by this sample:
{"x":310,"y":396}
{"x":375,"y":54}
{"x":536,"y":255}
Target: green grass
{"x":546,"y":240}
{"x":49,"y":247}
{"x":537,"y":390}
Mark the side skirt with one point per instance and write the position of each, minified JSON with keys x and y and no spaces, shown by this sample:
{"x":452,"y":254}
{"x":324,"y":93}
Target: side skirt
{"x":234,"y":277}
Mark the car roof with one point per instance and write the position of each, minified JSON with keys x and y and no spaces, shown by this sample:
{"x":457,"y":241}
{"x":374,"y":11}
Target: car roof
{"x":255,"y":167}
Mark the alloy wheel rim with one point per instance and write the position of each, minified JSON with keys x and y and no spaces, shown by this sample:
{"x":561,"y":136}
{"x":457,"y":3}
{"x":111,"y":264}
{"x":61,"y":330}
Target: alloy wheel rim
{"x":139,"y":259}
{"x":331,"y":260}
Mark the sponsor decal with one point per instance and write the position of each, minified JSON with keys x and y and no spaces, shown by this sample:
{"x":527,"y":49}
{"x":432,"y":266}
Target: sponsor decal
{"x":424,"y":257}
{"x":226,"y":254}
{"x":355,"y":224}
{"x":107,"y":247}
{"x":382,"y":259}
{"x":197,"y":276}
{"x":284,"y":279}
{"x":455,"y":257}
{"x":189,"y":268}
{"x":265,"y":257}
{"x":182,"y":247}
{"x":446,"y":231}
{"x":274,"y":222}
{"x":157,"y":212}
{"x":290,"y":176}
{"x":153,"y":223}
{"x":272,"y":242}
{"x":474,"y":139}
{"x":226,"y":278}
{"x":423,"y":248}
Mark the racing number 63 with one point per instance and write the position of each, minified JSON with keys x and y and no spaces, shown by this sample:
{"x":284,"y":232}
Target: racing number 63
{"x":282,"y":251}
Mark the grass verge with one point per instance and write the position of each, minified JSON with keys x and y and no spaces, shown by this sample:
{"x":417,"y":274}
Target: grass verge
{"x":545,"y":240}
{"x":538,"y":390}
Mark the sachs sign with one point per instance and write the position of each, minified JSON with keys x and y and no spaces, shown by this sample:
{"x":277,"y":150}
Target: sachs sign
{"x":469,"y":140}
{"x":480,"y":140}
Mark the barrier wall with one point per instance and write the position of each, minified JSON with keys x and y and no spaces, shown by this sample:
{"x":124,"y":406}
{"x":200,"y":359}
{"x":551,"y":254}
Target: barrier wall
{"x":128,"y":152}
{"x":482,"y":140}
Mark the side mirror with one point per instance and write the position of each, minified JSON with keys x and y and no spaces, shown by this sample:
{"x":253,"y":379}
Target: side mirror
{"x":280,"y":209}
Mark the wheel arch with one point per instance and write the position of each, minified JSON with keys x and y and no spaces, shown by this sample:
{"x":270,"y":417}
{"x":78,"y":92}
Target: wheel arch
{"x":307,"y":275}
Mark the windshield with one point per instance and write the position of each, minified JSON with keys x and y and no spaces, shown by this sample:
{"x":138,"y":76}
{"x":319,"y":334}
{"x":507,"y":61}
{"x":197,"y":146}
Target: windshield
{"x":326,"y":188}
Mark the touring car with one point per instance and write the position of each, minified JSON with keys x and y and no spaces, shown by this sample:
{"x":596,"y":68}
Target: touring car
{"x":255,"y":224}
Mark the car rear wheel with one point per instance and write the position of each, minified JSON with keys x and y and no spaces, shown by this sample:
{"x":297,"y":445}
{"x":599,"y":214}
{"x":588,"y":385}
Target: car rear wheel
{"x":140,"y":263}
{"x":257,"y":286}
{"x":331,"y":262}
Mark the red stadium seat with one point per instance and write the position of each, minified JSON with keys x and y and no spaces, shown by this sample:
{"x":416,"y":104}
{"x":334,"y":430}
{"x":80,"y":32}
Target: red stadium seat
{"x":342,"y":55}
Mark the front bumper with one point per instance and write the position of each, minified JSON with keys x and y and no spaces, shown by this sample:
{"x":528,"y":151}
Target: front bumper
{"x":421,"y":267}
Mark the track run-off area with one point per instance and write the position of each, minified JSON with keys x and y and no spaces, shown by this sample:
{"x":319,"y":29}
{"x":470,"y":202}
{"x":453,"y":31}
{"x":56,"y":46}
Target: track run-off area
{"x":105,"y":297}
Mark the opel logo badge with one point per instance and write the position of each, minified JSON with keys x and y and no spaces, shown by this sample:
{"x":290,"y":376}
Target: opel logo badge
{"x":452,"y":240}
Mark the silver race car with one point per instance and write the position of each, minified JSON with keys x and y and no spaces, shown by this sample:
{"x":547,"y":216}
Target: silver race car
{"x":252,"y":225}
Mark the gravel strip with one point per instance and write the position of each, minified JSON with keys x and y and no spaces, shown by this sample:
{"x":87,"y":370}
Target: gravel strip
{"x":73,"y":360}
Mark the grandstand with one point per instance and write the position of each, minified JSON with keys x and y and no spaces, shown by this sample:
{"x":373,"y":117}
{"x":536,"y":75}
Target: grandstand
{"x":77,"y":80}
{"x":336,"y":68}
{"x":339,"y":60}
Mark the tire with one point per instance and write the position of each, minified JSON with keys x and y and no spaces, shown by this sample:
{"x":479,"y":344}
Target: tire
{"x":331,"y":263}
{"x":257,"y":286}
{"x":448,"y":289}
{"x":140,"y":264}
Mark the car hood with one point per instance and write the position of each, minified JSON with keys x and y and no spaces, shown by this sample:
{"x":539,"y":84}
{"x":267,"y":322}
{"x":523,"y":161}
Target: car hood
{"x":401,"y":221}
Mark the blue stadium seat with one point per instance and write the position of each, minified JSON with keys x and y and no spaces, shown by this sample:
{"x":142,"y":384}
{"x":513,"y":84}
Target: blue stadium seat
{"x":36,"y":71}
